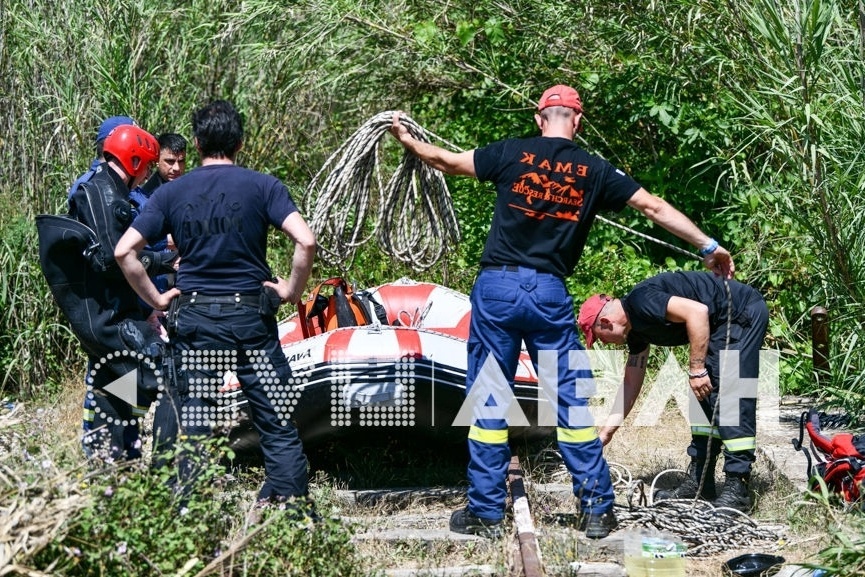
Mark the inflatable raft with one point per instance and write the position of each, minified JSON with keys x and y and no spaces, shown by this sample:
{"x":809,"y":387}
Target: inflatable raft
{"x":388,"y":358}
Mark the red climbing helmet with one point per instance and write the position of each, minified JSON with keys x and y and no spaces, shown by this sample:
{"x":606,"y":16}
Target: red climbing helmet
{"x":133,"y":147}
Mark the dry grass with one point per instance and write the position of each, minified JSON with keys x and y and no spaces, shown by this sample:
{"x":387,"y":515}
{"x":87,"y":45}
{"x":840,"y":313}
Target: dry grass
{"x":408,"y":529}
{"x":38,"y":494}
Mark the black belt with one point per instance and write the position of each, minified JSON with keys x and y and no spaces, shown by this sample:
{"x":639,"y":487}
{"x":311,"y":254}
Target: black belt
{"x":515,"y":268}
{"x":237,"y":298}
{"x":504,"y":267}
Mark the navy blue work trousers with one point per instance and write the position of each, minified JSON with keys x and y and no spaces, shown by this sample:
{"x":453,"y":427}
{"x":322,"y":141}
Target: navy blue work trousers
{"x":746,"y":334}
{"x":214,"y":338}
{"x":512,"y":305}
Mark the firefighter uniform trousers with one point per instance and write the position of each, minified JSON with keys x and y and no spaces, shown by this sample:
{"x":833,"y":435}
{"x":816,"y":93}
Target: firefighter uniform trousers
{"x":747,"y":331}
{"x":511,"y":305}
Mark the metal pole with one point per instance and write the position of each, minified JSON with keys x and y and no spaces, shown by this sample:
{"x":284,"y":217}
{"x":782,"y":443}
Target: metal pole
{"x":529,"y":551}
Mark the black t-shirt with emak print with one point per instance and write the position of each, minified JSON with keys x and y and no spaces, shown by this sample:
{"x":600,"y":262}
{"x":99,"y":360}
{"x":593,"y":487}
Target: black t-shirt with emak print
{"x":548,"y":193}
{"x":646,"y":306}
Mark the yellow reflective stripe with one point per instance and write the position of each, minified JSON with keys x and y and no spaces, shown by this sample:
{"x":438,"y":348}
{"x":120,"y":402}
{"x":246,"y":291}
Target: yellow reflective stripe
{"x":139,"y":411}
{"x":704,"y":431}
{"x":89,"y":414}
{"x":488,"y":436}
{"x":742,"y":444}
{"x":583,"y":435}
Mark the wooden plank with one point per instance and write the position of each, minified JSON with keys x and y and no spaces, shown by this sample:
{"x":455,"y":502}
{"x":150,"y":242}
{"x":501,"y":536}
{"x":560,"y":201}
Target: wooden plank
{"x":529,"y":550}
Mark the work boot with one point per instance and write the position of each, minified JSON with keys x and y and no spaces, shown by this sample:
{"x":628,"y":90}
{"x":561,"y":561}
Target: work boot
{"x":736,"y":494}
{"x":688,"y":488}
{"x":598,"y":525}
{"x":465,"y":522}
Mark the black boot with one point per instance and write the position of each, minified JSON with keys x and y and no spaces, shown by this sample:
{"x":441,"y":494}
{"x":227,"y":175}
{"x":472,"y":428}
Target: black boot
{"x":465,"y":522}
{"x":736,"y":494}
{"x":688,"y":488}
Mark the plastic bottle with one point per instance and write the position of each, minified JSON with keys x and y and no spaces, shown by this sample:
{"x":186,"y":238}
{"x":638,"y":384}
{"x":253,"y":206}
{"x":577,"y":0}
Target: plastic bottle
{"x":654,"y":554}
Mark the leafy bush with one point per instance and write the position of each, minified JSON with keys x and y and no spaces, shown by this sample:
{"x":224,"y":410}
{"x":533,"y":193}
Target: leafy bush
{"x":844,"y":554}
{"x":139,"y":524}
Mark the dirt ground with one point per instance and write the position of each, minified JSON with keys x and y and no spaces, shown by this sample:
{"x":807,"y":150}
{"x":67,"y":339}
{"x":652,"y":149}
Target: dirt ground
{"x":411,"y":538}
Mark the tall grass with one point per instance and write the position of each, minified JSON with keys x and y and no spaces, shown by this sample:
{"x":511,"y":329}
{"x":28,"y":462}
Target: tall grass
{"x":803,"y":116}
{"x":754,"y":109}
{"x":64,"y":66}
{"x":34,"y":340}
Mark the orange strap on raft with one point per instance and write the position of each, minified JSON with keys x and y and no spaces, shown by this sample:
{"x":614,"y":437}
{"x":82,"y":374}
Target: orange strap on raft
{"x":323,"y":313}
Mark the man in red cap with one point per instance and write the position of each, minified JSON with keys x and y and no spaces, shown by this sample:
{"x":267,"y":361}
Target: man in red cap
{"x":548,"y":193}
{"x":693,"y":308}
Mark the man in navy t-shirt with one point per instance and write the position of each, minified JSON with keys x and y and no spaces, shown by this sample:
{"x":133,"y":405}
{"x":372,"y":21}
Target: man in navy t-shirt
{"x":219,"y":215}
{"x":548,"y":191}
{"x":695,"y":309}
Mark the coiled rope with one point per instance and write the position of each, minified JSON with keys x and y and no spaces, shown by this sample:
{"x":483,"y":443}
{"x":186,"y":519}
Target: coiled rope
{"x":414,"y":219}
{"x":706,"y":530}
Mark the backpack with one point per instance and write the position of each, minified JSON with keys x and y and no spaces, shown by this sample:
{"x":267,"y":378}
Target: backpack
{"x":840,"y":460}
{"x":325,"y":312}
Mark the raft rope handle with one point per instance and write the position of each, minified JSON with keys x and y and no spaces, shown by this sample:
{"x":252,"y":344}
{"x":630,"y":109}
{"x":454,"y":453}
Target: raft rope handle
{"x":409,"y":320}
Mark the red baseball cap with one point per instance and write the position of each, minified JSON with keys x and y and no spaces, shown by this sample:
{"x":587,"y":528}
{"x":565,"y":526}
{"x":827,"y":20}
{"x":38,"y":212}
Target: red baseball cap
{"x":561,"y":95}
{"x":589,"y":313}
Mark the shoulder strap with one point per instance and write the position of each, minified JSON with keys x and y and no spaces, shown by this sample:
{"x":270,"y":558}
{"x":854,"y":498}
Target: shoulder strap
{"x":342,"y":314}
{"x":372,"y":306}
{"x":315,"y":308}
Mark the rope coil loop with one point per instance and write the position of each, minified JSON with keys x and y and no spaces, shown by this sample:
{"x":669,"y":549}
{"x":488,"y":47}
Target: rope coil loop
{"x":411,"y":216}
{"x":706,"y":530}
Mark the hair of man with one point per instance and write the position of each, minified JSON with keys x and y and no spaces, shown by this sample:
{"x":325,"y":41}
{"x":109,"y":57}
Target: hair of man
{"x":218,"y":130}
{"x":172,"y":141}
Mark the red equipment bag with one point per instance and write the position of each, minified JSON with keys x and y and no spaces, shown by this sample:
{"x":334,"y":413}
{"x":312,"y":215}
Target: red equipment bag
{"x":839,"y":460}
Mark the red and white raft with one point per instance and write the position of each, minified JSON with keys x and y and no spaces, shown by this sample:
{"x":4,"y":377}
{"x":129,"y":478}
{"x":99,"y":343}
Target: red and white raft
{"x":402,"y":369}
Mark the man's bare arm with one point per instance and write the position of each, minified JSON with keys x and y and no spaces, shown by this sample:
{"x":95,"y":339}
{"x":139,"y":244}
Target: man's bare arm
{"x":456,"y":163}
{"x":126,"y":255}
{"x":695,"y":315}
{"x":296,"y":229}
{"x":632,"y":384}
{"x":665,"y":215}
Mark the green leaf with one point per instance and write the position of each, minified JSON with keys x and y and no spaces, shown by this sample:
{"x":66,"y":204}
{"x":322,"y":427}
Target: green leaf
{"x":465,"y":32}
